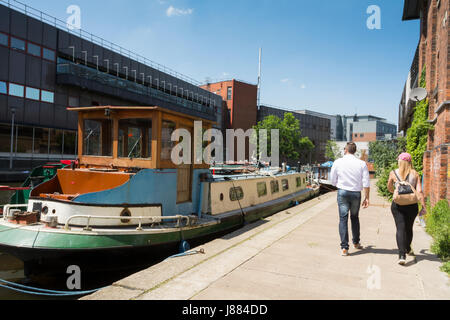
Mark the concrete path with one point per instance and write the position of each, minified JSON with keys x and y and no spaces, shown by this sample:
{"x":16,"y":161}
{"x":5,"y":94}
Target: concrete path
{"x":295,"y":255}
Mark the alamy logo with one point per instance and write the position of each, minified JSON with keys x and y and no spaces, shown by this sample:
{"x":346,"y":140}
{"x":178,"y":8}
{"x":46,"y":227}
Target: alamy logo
{"x":374,"y":20}
{"x":74,"y":280}
{"x":74,"y":20}
{"x":258,"y":149}
{"x":374,"y":280}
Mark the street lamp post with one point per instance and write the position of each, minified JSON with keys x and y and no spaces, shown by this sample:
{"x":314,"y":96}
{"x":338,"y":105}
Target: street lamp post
{"x":13,"y":112}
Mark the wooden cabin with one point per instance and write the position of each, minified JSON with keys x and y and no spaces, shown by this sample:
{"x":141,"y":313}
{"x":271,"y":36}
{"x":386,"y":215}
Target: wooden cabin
{"x":130,"y":137}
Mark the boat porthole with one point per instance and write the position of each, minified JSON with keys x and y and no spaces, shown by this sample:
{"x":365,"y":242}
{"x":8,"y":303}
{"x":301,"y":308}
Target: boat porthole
{"x":221,"y":197}
{"x":125,"y":213}
{"x":53,"y":211}
{"x":45,"y":210}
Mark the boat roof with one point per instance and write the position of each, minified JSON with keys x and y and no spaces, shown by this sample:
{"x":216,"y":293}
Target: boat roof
{"x":137,"y":108}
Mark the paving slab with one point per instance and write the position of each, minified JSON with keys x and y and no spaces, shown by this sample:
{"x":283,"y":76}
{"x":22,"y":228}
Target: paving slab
{"x":295,"y":255}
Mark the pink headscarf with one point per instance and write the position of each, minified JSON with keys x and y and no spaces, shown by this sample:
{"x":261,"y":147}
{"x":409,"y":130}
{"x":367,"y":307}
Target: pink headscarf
{"x":405,"y":157}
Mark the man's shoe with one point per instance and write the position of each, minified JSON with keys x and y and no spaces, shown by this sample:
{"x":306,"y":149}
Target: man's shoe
{"x":359,"y":246}
{"x":402,"y":260}
{"x":344,"y":252}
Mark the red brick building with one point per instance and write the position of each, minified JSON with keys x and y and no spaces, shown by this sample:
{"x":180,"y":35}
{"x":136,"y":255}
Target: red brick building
{"x":432,"y":52}
{"x":240,"y":109}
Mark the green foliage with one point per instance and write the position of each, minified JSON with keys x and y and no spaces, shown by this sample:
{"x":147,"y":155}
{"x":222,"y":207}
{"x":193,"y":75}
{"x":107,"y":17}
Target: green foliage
{"x":382,"y":182}
{"x":292,"y":144}
{"x":438,"y":226}
{"x":332,"y":151}
{"x":385,"y":154}
{"x":417,"y":135}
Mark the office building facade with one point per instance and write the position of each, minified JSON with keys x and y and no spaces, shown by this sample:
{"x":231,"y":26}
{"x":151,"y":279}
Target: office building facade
{"x":46,"y":68}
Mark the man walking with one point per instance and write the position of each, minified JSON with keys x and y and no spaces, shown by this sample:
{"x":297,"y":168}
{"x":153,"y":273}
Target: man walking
{"x":350,"y":175}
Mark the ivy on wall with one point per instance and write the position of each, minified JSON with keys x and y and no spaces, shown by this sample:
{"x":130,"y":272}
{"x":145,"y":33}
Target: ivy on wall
{"x":417,"y":135}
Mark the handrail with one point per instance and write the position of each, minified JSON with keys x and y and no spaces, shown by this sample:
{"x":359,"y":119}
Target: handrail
{"x":64,"y":26}
{"x":7,"y":207}
{"x":152,"y":219}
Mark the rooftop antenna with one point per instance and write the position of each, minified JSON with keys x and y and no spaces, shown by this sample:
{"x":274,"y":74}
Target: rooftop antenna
{"x":259,"y":79}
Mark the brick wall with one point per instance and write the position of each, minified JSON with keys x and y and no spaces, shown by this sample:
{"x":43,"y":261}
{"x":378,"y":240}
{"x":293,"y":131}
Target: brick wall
{"x":434,"y":51}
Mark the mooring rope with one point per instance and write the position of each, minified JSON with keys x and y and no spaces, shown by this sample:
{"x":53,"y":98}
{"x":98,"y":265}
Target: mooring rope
{"x":43,"y":292}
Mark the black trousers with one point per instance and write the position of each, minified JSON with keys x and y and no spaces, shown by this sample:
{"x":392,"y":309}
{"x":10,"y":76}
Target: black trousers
{"x":404,"y":217}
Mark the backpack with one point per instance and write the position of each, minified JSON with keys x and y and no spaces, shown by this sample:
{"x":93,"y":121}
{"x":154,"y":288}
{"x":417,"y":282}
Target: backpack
{"x":405,"y":194}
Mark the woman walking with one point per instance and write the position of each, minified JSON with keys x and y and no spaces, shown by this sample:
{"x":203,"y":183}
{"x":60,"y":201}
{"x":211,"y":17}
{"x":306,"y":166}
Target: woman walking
{"x":405,"y":215}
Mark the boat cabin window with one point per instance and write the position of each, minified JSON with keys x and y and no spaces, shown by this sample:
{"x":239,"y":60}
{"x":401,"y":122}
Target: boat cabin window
{"x":168,"y":127}
{"x":285,"y":184}
{"x":299,"y":182}
{"x":236,"y":194}
{"x":135,"y":138}
{"x":98,"y":136}
{"x":274,"y":186}
{"x":262,"y":189}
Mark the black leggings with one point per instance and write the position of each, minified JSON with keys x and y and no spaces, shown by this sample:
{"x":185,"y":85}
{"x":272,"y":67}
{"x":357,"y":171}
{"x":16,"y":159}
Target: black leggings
{"x":404,"y":217}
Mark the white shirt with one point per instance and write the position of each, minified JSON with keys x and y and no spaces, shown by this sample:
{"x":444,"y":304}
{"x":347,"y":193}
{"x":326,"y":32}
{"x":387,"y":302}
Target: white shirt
{"x":351,"y":174}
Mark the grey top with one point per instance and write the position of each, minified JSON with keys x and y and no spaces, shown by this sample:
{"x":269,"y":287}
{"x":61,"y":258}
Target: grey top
{"x":412,"y":178}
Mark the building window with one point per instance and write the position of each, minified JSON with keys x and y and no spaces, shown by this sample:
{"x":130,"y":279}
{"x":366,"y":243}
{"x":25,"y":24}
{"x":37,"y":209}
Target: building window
{"x":135,"y":138}
{"x":33,"y":49}
{"x":262,"y":189}
{"x":47,"y":96}
{"x":168,"y":127}
{"x":230,"y":93}
{"x":70,"y":143}
{"x":32,"y":93}
{"x":274,"y":186}
{"x":361,"y":135}
{"x":17,"y":44}
{"x":97,"y":138}
{"x":16,"y":90}
{"x":3,"y":87}
{"x":41,"y":137}
{"x":236,"y":194}
{"x":56,"y":141}
{"x":48,"y":54}
{"x":3,"y":39}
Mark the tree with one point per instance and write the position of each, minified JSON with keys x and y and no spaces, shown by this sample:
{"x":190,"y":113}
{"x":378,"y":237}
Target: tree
{"x":385,"y":153}
{"x":332,"y":151}
{"x":292,"y":144}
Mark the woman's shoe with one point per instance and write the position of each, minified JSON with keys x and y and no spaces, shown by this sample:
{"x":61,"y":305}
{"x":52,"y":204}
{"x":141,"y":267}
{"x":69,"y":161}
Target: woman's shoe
{"x":402,"y":260}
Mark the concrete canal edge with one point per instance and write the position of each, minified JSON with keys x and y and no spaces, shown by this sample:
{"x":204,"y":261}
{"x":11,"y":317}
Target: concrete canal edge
{"x":235,"y":249}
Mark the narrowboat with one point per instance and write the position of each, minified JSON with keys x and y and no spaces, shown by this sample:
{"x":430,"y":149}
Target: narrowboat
{"x":124,"y":203}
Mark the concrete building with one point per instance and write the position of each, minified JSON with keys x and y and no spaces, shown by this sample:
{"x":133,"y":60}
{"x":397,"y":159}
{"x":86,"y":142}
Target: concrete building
{"x":333,"y":121}
{"x":316,"y":128}
{"x":46,"y":68}
{"x":364,"y":129}
{"x":432,"y":52}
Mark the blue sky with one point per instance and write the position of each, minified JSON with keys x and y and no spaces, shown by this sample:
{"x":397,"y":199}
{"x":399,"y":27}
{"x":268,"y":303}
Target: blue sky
{"x":318,"y":55}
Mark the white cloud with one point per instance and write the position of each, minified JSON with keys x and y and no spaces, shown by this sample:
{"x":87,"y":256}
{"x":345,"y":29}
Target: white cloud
{"x":172,"y":11}
{"x":303,"y":86}
{"x":285,"y":80}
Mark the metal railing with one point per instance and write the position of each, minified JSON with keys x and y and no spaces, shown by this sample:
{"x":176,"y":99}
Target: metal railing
{"x":8,"y":207}
{"x":62,"y":25}
{"x":152,"y":220}
{"x":67,"y":67}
